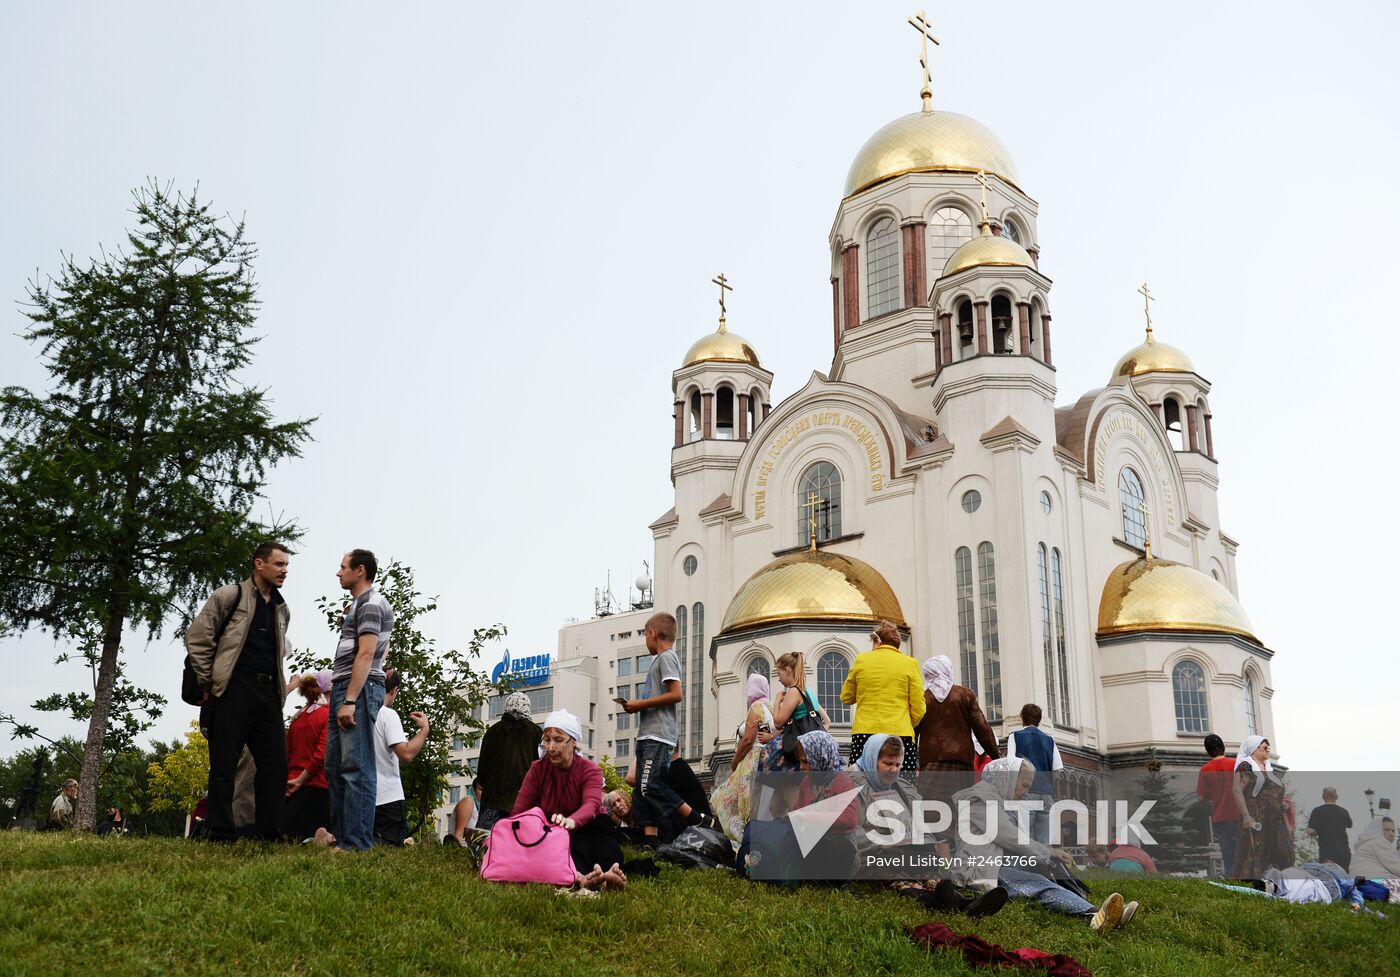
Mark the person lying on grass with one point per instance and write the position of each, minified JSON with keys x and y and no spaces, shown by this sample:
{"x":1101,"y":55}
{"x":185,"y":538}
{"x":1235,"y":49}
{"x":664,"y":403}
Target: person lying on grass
{"x":986,"y":864}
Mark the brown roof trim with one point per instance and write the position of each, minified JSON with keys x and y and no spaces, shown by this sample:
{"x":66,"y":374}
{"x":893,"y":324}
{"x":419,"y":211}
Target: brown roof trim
{"x":720,"y":503}
{"x":1009,"y":427}
{"x":668,"y":518}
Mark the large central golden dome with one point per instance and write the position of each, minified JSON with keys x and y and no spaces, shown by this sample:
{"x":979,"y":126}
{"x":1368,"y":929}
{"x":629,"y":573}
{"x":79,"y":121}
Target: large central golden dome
{"x":808,"y":586}
{"x":929,"y":142}
{"x":1160,"y":595}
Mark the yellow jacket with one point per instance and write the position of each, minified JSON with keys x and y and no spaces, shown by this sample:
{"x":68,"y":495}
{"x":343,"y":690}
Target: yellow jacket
{"x":887,"y":688}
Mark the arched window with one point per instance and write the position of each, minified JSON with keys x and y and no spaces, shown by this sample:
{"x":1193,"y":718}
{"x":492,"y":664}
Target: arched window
{"x":948,"y":229}
{"x":824,"y":480}
{"x":831,"y":675}
{"x":697,"y":684}
{"x":1047,"y":629}
{"x":1009,"y":229}
{"x":758,"y":665}
{"x":682,"y":630}
{"x":1189,"y":696}
{"x":1251,"y":717}
{"x":1171,"y":417}
{"x":967,"y":617}
{"x":693,"y":431}
{"x":724,"y":414}
{"x":882,"y":267}
{"x":1003,"y":335}
{"x":1057,"y":578}
{"x":991,"y":641}
{"x":966,"y":332}
{"x":1131,"y":496}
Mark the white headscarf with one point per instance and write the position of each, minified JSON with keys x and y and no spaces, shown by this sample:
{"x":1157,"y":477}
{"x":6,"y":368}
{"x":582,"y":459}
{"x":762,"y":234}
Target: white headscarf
{"x":938,"y":676}
{"x":565,"y":722}
{"x":1003,"y":773}
{"x":1243,"y":758}
{"x":518,"y":705}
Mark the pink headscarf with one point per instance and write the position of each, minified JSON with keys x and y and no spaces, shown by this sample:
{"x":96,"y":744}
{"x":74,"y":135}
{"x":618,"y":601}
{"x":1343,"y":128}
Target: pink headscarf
{"x":757,"y":690}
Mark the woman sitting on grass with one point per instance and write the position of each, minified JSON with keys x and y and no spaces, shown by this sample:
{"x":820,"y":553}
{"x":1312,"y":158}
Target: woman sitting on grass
{"x":876,"y":773}
{"x":817,"y":756}
{"x":1376,"y":862}
{"x":986,"y":864}
{"x":568,"y":788}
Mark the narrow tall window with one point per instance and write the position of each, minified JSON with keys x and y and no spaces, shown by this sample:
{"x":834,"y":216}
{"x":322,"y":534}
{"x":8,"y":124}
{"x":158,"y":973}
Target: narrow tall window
{"x":693,"y":422}
{"x":1172,"y":418}
{"x":991,"y":643}
{"x":948,"y":229}
{"x":824,"y":480}
{"x":832,"y":668}
{"x":966,"y":335}
{"x":697,"y":682}
{"x":1009,"y":229}
{"x":1002,"y":332}
{"x":1251,"y":718}
{"x":724,"y":414}
{"x":967,"y":618}
{"x":882,"y":267}
{"x":1189,"y":696}
{"x":680,"y":647}
{"x":1061,"y":645}
{"x":758,"y":665}
{"x":1047,"y":632}
{"x":1130,"y":495}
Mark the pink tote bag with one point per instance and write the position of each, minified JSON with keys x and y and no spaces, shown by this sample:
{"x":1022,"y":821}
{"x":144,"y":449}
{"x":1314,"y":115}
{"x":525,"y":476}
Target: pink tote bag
{"x":527,"y":848}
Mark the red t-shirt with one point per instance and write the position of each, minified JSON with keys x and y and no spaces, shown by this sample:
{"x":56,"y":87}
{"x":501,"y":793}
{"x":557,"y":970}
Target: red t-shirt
{"x":306,"y":745}
{"x":1216,"y":783}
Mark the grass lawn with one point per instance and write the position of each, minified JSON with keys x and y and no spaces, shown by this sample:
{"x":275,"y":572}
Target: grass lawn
{"x":167,"y":907}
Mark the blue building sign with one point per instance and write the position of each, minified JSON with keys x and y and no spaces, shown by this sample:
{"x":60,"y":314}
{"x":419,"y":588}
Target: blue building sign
{"x":527,"y":670}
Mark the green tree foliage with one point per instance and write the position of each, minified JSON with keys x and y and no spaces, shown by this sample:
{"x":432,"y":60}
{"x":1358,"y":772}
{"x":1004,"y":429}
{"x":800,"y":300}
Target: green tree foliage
{"x":126,"y":489}
{"x":612,"y":780}
{"x":442,"y":684}
{"x":1166,"y":820}
{"x":179,"y":780}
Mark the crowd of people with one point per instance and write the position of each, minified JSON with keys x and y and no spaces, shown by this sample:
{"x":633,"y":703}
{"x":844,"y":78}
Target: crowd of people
{"x":332,"y":776}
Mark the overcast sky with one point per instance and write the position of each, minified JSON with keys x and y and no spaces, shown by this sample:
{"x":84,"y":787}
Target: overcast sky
{"x":487,"y":234}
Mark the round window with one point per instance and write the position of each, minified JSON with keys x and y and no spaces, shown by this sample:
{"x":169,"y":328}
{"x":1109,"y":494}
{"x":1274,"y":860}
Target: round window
{"x":690,"y":565}
{"x":971,"y":500}
{"x":1046,"y":503}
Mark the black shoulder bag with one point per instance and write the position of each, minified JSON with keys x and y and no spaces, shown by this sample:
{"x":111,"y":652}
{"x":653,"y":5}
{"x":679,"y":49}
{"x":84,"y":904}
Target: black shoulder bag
{"x":796,"y":727}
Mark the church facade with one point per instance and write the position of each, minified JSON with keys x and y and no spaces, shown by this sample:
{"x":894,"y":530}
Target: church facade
{"x":1066,"y":551}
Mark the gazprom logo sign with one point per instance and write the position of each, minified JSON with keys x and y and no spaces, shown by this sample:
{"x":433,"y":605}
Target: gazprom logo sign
{"x":522,"y":670}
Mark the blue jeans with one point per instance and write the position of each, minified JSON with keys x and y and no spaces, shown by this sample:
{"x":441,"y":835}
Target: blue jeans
{"x":655,"y":801}
{"x":1226,"y":833}
{"x":350,"y":765}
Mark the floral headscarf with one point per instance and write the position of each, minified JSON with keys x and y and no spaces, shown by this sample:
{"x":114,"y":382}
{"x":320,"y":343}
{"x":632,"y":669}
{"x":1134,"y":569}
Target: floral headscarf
{"x":1003,"y":773}
{"x":518,"y":705}
{"x":823,"y":755}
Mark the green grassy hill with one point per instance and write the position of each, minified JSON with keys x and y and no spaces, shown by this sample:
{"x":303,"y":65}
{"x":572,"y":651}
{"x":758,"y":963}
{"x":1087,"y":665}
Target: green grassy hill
{"x":165,"y":907}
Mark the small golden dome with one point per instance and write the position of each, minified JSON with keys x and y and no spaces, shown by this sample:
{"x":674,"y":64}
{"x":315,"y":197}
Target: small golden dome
{"x":1160,"y":595}
{"x":1153,"y":357}
{"x":987,"y":249}
{"x":929,"y":142}
{"x":807,"y":586}
{"x":721,"y":346}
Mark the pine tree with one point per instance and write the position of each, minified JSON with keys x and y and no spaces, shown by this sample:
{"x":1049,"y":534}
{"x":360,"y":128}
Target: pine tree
{"x":126,"y":489}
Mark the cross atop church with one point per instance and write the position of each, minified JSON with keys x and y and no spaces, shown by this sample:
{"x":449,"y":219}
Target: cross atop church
{"x":1146,"y":527}
{"x":982,"y":182}
{"x":814,"y":502}
{"x":724,"y":286}
{"x":920,"y":23}
{"x":1147,"y":299}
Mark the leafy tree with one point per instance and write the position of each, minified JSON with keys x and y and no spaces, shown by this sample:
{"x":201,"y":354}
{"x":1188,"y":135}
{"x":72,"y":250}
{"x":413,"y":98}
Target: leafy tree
{"x":179,"y":781}
{"x":1166,"y":820}
{"x":126,"y":490}
{"x":442,"y":684}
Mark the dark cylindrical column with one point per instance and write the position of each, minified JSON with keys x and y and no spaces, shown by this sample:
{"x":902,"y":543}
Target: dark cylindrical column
{"x":1193,"y":441}
{"x":743,"y":417}
{"x":1210,"y":439}
{"x":707,"y":416}
{"x":835,"y":313}
{"x":767,"y":409}
{"x":945,"y":330}
{"x":1023,"y":310}
{"x":1045,"y":337}
{"x":981,"y":308}
{"x":915,"y":289}
{"x":1157,"y":410}
{"x":850,"y":287}
{"x":680,"y":423}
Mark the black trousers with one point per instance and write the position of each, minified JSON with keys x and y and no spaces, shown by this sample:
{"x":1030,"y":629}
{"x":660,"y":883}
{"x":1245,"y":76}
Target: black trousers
{"x":249,"y":713}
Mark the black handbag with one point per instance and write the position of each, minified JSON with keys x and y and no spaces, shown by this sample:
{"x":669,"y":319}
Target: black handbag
{"x":190,"y":692}
{"x":796,"y":727}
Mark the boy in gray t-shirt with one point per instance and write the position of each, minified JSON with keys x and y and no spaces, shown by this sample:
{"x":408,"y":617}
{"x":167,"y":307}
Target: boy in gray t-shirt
{"x":654,"y":801}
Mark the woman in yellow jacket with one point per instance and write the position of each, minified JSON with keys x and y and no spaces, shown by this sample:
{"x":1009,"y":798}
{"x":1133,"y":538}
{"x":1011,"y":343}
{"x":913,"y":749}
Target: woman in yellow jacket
{"x":887,"y":688}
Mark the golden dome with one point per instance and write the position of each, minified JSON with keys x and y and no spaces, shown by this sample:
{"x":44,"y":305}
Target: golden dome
{"x":1160,"y":595}
{"x":1153,"y":357}
{"x":721,"y":346}
{"x":987,"y":249}
{"x":926,"y":142}
{"x":809,"y":586}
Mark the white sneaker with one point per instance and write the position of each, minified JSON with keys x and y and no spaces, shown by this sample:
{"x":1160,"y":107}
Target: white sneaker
{"x":1110,"y":914}
{"x":1129,"y":911}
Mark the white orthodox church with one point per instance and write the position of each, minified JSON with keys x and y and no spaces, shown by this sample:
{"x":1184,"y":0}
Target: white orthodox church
{"x":1072,"y":555}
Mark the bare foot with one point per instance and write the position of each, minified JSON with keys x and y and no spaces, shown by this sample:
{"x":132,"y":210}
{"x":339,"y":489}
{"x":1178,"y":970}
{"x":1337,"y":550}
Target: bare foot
{"x":592,"y":880}
{"x":324,"y":838}
{"x":614,"y":879}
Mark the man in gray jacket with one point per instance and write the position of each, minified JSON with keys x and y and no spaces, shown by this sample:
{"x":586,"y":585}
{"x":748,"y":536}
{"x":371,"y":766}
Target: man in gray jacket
{"x":237,"y":644}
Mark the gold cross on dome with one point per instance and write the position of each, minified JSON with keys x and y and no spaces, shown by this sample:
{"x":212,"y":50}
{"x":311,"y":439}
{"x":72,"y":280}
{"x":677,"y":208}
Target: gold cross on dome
{"x":920,"y":23}
{"x":724,"y":286}
{"x":982,"y":182}
{"x":811,"y":505}
{"x":1146,"y":531}
{"x":1147,"y":298}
